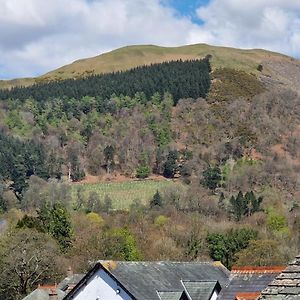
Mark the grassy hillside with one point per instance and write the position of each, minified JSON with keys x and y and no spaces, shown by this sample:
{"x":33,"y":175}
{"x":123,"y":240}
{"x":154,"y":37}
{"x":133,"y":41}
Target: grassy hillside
{"x":132,"y":56}
{"x":123,"y":194}
{"x":4,"y":84}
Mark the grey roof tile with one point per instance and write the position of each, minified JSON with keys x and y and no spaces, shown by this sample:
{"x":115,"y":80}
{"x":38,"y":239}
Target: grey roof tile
{"x":70,"y":281}
{"x":286,"y":286}
{"x":245,"y":282}
{"x":199,"y":290}
{"x":290,"y":291}
{"x":143,"y":279}
{"x":43,"y":294}
{"x":170,"y":295}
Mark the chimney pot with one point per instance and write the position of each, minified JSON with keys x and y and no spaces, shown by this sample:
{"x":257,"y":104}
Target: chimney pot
{"x":53,"y":294}
{"x":69,"y":272}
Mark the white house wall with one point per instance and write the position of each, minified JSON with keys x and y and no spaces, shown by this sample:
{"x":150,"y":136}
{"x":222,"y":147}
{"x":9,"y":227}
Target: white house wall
{"x":101,"y":287}
{"x":214,"y":296}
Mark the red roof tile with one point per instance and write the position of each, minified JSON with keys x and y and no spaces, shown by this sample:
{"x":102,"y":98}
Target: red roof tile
{"x":50,"y":287}
{"x":247,"y":296}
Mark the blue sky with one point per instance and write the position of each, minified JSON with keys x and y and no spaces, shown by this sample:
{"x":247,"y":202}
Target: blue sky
{"x":188,"y":8}
{"x":38,"y":36}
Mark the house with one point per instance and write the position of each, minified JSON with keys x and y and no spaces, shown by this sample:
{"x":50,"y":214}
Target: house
{"x":46,"y":292}
{"x":70,"y":281}
{"x":286,"y":286}
{"x":56,"y":292}
{"x":246,"y":283}
{"x":176,"y":281}
{"x":152,"y":280}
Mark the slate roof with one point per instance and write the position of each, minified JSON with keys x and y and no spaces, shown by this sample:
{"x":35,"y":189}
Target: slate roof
{"x":286,"y":286}
{"x":201,"y":290}
{"x":248,"y":280}
{"x":151,"y":280}
{"x":170,"y":295}
{"x":42,"y":293}
{"x":144,"y":279}
{"x":70,"y":281}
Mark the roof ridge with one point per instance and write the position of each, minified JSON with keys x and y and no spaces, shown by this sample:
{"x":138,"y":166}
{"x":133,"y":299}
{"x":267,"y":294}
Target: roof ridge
{"x":157,"y":261}
{"x":258,"y":269}
{"x":199,"y":280}
{"x":170,"y":291}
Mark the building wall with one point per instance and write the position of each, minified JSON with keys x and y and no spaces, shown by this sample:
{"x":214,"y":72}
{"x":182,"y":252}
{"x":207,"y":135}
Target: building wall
{"x":214,"y":296}
{"x":101,"y":287}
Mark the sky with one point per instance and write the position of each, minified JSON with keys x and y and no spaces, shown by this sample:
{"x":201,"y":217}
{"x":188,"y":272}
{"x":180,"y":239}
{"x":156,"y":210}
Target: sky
{"x":37,"y":36}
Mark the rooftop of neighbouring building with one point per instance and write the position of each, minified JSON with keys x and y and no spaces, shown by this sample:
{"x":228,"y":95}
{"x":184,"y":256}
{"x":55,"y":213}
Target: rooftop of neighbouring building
{"x":163,"y":280}
{"x":286,"y":285}
{"x":248,"y":282}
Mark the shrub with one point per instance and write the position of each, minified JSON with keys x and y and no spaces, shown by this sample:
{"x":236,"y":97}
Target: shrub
{"x":156,"y":201}
{"x":224,"y":247}
{"x":212,"y":178}
{"x":260,"y":253}
{"x":260,"y":67}
{"x":276,"y":222}
{"x":160,"y":221}
{"x":143,"y":171}
{"x":95,"y":218}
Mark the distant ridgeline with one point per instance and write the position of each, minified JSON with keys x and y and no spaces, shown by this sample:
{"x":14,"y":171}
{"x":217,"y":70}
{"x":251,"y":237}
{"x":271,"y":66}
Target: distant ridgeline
{"x":182,"y":79}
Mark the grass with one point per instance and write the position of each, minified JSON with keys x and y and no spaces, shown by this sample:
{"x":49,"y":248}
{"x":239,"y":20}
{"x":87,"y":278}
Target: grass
{"x":128,"y":57}
{"x":124,"y":193}
{"x":132,"y":56}
{"x":7,"y":84}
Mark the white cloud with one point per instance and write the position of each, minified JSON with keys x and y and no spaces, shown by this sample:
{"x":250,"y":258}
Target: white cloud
{"x":270,"y":24}
{"x":37,"y":36}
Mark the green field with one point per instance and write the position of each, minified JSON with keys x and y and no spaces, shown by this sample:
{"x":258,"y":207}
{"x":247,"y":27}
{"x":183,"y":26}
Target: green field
{"x":124,"y":193}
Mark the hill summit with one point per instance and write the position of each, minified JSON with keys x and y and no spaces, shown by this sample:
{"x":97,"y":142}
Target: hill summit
{"x":275,"y":66}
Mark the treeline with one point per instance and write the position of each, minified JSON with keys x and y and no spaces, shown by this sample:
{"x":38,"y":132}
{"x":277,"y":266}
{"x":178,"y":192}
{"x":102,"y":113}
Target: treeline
{"x":183,"y":79}
{"x":19,"y":160}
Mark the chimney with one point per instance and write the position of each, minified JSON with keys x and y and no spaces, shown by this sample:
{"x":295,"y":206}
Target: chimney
{"x":69,"y":272}
{"x":53,"y":294}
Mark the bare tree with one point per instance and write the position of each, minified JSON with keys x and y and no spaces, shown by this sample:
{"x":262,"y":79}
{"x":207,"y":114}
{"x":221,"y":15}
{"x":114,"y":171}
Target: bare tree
{"x":27,"y":258}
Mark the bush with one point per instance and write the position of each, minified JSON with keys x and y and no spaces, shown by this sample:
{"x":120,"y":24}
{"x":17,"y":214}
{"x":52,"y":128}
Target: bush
{"x":143,"y":171}
{"x":156,"y":201}
{"x":120,"y":244}
{"x":160,"y":221}
{"x":171,"y":166}
{"x":224,"y":247}
{"x":260,"y":68}
{"x":276,"y":222}
{"x":260,"y":253}
{"x":212,"y":178}
{"x":95,"y":218}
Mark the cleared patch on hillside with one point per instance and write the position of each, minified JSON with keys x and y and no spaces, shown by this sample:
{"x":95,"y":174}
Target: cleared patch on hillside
{"x":123,"y":194}
{"x":283,"y":72}
{"x":232,"y":84}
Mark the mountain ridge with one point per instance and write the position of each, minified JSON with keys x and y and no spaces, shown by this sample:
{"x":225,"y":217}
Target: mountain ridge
{"x":129,"y":57}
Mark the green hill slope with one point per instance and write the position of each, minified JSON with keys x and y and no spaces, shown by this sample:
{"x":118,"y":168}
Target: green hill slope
{"x":132,"y":56}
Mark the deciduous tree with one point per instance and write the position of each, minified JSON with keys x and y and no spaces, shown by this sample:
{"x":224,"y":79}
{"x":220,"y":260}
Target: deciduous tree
{"x":27,"y":258}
